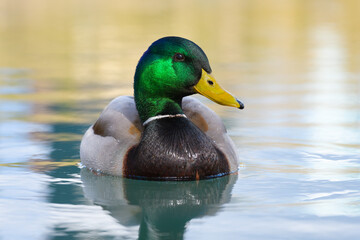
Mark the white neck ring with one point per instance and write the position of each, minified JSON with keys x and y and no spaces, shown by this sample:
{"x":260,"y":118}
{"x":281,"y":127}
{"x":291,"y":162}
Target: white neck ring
{"x":163,"y":116}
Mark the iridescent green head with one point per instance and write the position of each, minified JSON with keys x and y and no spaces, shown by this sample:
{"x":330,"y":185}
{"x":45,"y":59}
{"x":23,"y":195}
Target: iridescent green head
{"x":169,"y":70}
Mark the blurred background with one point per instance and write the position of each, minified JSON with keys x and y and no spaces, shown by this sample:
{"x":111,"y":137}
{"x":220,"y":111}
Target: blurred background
{"x":294,"y":63}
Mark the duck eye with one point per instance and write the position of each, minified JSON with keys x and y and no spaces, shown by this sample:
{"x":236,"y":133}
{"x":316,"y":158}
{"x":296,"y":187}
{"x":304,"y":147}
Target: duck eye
{"x":179,"y":57}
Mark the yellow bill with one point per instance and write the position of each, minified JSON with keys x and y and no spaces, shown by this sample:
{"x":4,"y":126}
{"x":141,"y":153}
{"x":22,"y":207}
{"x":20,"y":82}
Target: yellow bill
{"x":208,"y":87}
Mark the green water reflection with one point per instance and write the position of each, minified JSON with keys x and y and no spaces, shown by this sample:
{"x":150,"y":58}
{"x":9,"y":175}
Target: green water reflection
{"x":162,"y":209}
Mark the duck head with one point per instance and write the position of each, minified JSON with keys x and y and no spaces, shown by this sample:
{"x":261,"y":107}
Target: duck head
{"x":171,"y":69}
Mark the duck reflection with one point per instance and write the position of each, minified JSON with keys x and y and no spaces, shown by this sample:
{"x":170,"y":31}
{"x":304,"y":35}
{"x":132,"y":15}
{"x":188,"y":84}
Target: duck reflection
{"x":162,"y":209}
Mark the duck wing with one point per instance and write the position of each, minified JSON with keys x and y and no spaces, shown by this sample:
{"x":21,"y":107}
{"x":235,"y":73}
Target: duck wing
{"x":106,"y":143}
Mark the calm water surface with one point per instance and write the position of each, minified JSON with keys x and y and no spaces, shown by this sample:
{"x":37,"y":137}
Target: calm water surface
{"x":295,"y":65}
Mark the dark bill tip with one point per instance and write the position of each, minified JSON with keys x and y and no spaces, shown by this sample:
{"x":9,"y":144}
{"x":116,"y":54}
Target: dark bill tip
{"x":242,"y":106}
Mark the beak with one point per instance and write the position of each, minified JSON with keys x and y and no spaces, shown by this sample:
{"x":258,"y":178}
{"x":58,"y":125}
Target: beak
{"x":208,"y":87}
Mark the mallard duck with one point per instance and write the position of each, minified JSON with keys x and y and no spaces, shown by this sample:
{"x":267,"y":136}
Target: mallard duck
{"x":161,"y":133}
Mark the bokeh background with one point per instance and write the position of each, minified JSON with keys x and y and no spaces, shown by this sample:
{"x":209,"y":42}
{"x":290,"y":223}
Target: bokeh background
{"x":294,"y":63}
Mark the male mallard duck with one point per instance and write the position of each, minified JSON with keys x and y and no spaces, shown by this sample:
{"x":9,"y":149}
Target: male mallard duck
{"x":163,"y":134}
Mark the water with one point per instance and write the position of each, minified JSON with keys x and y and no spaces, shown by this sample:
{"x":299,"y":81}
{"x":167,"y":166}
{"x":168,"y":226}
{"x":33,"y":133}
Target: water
{"x":295,"y":65}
